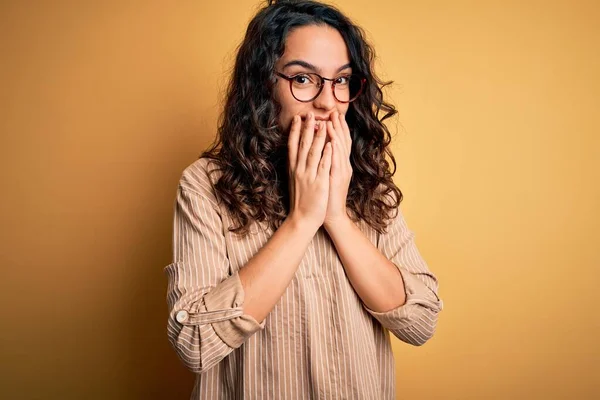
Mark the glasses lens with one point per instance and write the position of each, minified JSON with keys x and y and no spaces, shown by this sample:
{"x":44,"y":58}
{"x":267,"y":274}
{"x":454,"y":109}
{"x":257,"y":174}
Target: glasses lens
{"x":348,"y":87}
{"x":305,"y":87}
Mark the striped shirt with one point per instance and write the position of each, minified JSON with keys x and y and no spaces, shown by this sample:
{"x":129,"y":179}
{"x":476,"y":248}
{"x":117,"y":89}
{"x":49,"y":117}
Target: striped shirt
{"x":320,"y":341}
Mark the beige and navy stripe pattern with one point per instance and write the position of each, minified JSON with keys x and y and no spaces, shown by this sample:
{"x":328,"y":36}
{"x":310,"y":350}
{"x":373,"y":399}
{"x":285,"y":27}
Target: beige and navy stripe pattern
{"x":319,"y":342}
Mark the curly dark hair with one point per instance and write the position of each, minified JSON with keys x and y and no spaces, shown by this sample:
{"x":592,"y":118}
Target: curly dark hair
{"x":251,"y":151}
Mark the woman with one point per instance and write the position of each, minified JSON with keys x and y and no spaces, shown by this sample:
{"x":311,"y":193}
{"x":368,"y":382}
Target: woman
{"x":292,"y":260}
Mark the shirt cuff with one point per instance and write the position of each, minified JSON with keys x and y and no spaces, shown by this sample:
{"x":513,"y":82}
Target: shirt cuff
{"x":417,"y":295}
{"x":229,"y":296}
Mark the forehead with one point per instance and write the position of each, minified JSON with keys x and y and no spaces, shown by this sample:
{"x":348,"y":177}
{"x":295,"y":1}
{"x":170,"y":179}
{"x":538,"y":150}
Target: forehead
{"x":319,"y":45}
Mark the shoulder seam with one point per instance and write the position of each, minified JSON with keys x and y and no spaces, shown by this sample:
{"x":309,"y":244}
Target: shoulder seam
{"x":213,"y":204}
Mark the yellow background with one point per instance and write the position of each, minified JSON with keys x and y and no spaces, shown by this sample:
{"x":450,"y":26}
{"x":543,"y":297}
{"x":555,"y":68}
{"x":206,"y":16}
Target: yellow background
{"x":102,"y":104}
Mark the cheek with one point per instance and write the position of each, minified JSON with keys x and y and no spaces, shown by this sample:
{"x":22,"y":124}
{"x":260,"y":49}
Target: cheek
{"x":285,"y":118}
{"x":289,"y":108}
{"x":343,"y":108}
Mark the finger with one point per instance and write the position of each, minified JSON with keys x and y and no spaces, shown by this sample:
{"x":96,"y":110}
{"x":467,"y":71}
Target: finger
{"x":335,"y":119}
{"x":331,"y":133}
{"x":325,"y":164}
{"x":293,"y":141}
{"x":306,"y":138}
{"x":337,"y":151}
{"x":316,"y":150}
{"x":346,"y":130}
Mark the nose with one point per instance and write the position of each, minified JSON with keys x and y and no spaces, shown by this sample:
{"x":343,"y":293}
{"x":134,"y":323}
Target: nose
{"x":326,"y":100}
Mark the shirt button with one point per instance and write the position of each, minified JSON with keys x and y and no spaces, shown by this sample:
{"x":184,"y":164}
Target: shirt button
{"x":181,"y":316}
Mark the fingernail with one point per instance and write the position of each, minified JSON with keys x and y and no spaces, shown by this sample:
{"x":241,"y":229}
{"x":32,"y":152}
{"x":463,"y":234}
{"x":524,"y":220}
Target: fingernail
{"x":311,"y":115}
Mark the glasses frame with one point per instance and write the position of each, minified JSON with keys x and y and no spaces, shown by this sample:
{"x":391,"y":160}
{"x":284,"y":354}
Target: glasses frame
{"x":323,"y":79}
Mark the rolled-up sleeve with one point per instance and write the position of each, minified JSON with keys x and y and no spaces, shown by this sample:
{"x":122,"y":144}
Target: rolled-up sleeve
{"x":415,"y":321}
{"x":206,"y":318}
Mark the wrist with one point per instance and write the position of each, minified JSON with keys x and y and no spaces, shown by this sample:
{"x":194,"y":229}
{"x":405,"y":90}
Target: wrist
{"x":340,"y":222}
{"x":301,"y":225}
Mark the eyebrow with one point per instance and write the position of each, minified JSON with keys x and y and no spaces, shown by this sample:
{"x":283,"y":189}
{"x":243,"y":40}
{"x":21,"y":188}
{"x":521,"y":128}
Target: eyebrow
{"x":312,"y":67}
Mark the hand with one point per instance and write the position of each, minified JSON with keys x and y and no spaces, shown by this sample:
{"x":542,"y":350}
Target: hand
{"x":341,"y":169}
{"x":309,"y":168}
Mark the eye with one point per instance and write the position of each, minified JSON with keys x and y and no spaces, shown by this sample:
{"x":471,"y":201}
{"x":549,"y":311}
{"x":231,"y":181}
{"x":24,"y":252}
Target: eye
{"x":342,"y":80}
{"x":302,"y":79}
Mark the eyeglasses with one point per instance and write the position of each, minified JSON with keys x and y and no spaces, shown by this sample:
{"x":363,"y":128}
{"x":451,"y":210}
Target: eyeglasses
{"x":306,"y":87}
